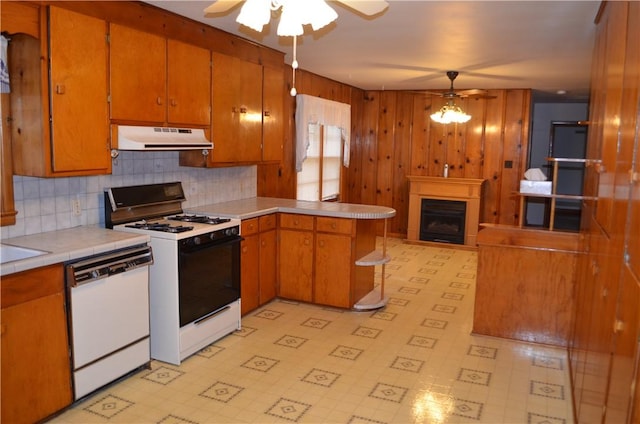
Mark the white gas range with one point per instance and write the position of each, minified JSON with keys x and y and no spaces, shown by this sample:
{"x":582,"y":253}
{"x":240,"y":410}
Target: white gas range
{"x":194,"y":282}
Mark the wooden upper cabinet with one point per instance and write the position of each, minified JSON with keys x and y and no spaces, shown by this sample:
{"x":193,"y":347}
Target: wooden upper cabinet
{"x":272,"y":114}
{"x":138,"y":75}
{"x":158,"y":80}
{"x":78,"y":90}
{"x":237,"y":110}
{"x":59,"y":112}
{"x":189,"y":84}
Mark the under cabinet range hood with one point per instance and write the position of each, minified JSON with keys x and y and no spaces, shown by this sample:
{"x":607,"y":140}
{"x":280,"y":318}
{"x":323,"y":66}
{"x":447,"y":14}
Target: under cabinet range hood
{"x":127,"y":137}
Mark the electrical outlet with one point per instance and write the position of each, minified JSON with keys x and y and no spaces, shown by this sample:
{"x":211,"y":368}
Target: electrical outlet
{"x":75,"y":207}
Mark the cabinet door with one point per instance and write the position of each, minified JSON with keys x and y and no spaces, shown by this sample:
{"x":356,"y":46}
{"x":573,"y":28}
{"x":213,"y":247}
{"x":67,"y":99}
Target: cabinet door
{"x":333,"y":270}
{"x":138,"y":75}
{"x":272,"y":114}
{"x":249,"y":273}
{"x":296,"y":265}
{"x":36,"y":368}
{"x":237,"y":110}
{"x":268,"y":272}
{"x":189,"y":84}
{"x":78,"y":92}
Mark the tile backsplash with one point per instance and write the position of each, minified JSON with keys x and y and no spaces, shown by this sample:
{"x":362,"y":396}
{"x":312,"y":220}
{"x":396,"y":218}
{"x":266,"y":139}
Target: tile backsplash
{"x":47,"y":204}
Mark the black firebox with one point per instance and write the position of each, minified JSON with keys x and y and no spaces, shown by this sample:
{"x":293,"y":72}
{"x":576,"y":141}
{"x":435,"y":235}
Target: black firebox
{"x":442,"y":220}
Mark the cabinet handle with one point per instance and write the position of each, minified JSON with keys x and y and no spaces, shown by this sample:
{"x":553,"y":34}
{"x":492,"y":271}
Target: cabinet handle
{"x":321,"y":243}
{"x":243,"y":109}
{"x":307,"y":242}
{"x":60,"y":88}
{"x":618,"y":326}
{"x":159,"y":100}
{"x":263,"y":243}
{"x":333,"y":225}
{"x":634,"y":177}
{"x":267,"y":113}
{"x":296,"y":222}
{"x":173,"y":102}
{"x":244,"y":249}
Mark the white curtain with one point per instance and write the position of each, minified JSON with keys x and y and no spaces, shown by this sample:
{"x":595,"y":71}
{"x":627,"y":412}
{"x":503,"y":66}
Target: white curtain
{"x":314,"y":110}
{"x":4,"y":66}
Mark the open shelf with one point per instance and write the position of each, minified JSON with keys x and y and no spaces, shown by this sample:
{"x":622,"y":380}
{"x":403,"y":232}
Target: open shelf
{"x":376,"y":298}
{"x":554,"y":196}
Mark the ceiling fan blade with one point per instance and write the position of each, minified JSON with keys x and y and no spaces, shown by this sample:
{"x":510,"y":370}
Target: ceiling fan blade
{"x":221,"y":6}
{"x":475,"y":92}
{"x":366,"y":7}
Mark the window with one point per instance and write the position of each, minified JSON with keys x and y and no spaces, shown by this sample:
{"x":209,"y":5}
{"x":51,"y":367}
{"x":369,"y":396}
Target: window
{"x":319,"y":178}
{"x":322,"y":146}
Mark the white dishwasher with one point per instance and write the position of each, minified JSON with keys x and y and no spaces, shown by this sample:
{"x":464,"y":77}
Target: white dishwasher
{"x":108,"y":310}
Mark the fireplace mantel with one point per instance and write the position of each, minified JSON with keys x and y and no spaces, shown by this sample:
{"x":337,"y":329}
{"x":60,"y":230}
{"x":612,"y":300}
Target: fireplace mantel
{"x":468,"y":190}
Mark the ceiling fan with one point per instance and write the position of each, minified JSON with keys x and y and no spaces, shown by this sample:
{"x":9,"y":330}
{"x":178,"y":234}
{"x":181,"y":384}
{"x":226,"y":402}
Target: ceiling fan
{"x":453,"y":94}
{"x":365,"y":7}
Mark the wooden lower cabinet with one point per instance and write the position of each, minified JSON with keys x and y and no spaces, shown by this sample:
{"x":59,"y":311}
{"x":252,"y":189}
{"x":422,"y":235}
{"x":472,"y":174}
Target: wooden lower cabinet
{"x":258,"y":263}
{"x":295,"y":253}
{"x":36,"y":370}
{"x":525,"y":284}
{"x":334,"y":261}
{"x":317,"y":261}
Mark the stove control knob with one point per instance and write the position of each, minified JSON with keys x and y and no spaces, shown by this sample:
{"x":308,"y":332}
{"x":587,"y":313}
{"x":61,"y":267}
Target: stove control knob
{"x":196,"y":240}
{"x":233,"y":231}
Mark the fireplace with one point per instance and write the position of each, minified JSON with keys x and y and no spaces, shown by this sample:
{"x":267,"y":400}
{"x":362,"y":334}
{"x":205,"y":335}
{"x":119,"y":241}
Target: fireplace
{"x":460,"y":197}
{"x":442,"y":220}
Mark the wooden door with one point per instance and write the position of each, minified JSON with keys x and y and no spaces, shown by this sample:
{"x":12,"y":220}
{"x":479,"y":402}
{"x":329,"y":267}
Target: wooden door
{"x":333,"y":270}
{"x":273,"y":114}
{"x":237,"y":110}
{"x":189,"y":84}
{"x":296,"y":265}
{"x":78,"y":92}
{"x":138,"y":83}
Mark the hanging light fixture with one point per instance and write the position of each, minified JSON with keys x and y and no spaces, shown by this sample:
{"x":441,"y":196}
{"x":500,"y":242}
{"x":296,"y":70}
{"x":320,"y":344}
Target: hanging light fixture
{"x":255,"y":14}
{"x":450,"y":114}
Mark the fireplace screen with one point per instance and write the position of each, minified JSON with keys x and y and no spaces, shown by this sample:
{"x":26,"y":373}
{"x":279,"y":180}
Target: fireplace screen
{"x":442,"y":220}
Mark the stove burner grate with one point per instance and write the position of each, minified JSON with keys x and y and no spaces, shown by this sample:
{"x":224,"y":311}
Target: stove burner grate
{"x":166,"y":228}
{"x":201,"y":219}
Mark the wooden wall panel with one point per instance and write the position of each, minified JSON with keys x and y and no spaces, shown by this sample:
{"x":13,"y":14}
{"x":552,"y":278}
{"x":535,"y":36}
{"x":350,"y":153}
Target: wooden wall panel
{"x":402,"y":159}
{"x":385,"y":151}
{"x":474,"y":145}
{"x":420,"y":135}
{"x":369,"y":148}
{"x":493,"y":139}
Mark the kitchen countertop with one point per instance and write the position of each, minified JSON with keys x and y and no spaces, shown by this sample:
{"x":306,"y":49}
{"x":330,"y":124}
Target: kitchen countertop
{"x":68,"y":244}
{"x":257,"y":206}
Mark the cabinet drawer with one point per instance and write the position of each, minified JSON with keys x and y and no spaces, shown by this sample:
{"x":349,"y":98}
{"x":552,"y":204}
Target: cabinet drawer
{"x":299,"y":222}
{"x":249,"y":226}
{"x":267,"y":222}
{"x":334,"y":225}
{"x":33,"y":284}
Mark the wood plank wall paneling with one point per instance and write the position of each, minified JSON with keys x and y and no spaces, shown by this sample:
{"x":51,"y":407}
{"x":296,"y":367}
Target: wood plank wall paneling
{"x":392,"y":136}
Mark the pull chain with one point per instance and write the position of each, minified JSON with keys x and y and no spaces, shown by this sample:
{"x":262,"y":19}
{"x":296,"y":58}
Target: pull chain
{"x":294,"y":66}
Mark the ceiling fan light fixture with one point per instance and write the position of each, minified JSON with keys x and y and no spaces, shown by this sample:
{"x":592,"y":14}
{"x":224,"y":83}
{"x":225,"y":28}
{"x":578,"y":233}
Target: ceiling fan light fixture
{"x":320,"y":14}
{"x":450,"y":114}
{"x":255,"y":14}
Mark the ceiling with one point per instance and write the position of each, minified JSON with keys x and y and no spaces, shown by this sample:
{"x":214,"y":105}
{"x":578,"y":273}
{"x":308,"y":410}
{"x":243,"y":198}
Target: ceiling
{"x":542,"y":45}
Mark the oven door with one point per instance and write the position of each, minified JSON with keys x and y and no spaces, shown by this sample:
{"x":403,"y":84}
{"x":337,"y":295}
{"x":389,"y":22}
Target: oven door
{"x":209,"y":277}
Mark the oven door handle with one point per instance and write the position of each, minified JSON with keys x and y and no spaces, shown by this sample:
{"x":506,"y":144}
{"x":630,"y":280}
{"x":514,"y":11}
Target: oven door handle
{"x":198,"y":247}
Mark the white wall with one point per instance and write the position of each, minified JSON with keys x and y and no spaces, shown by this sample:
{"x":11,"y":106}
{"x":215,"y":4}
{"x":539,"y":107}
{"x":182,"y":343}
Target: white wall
{"x":45,"y":204}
